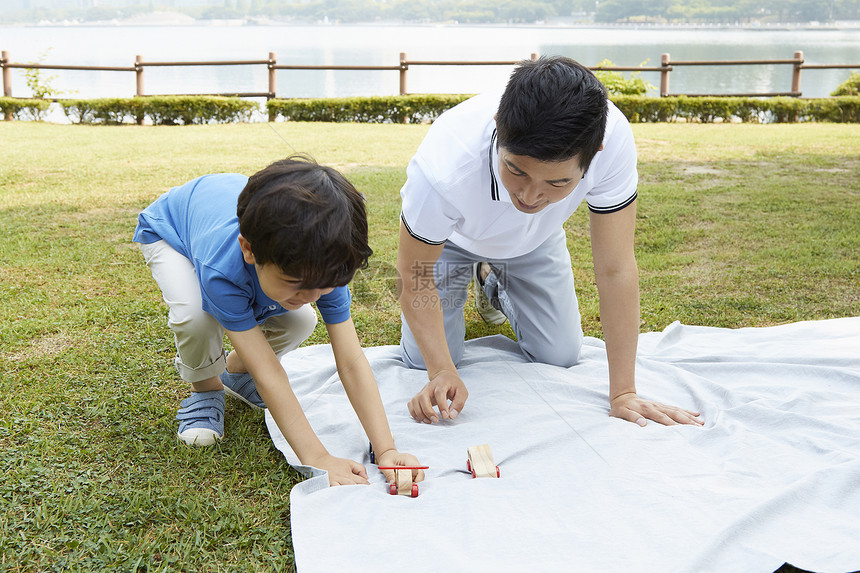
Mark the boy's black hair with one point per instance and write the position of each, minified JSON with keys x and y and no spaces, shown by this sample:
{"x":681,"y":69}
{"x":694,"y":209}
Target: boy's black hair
{"x":553,"y":108}
{"x":307,"y":219}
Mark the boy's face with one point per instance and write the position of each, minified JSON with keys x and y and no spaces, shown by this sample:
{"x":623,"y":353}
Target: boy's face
{"x":283,"y":289}
{"x":286,"y":290}
{"x":534,"y":184}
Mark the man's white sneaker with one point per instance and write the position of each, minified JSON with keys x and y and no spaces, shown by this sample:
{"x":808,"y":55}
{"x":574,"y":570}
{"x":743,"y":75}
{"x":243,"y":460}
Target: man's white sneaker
{"x":488,"y":312}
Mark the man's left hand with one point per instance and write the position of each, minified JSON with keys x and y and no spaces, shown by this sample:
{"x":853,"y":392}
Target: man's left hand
{"x":631,"y":407}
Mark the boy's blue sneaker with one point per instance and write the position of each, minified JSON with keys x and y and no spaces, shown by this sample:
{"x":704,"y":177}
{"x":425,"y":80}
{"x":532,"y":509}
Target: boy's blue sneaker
{"x":201,"y":418}
{"x":241,"y":386}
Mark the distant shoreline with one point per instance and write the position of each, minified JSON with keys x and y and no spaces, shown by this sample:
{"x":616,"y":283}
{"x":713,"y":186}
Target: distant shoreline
{"x":176,"y":19}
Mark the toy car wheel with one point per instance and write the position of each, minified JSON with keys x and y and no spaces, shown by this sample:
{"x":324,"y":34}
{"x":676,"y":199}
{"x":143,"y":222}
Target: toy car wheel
{"x":392,"y":488}
{"x":414,"y":490}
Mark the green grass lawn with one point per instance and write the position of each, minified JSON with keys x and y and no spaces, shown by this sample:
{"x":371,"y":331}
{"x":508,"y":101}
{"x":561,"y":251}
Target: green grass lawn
{"x":739,"y":225}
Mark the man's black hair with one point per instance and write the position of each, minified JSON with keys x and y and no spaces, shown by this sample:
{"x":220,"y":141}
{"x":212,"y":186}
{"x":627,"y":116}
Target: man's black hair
{"x":307,"y":219}
{"x":553,"y":109}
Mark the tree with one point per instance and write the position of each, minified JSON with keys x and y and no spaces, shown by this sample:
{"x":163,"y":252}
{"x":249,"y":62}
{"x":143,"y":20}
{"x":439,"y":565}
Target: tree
{"x":410,"y":11}
{"x":616,"y":83}
{"x":525,"y":11}
{"x":850,"y":87}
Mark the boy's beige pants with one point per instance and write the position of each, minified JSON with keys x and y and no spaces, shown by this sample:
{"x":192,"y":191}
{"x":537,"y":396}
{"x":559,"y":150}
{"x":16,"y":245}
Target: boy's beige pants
{"x":199,"y":337}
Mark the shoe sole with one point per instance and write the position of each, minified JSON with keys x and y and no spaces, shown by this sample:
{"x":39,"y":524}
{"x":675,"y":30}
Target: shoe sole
{"x":237,"y":396}
{"x":494,"y":321}
{"x":497,"y":316}
{"x":199,"y":437}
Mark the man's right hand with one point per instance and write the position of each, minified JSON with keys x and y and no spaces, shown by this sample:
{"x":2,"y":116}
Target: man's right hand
{"x":445,"y":391}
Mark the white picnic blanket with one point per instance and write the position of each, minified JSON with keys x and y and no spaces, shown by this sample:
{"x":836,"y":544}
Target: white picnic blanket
{"x":773,"y":477}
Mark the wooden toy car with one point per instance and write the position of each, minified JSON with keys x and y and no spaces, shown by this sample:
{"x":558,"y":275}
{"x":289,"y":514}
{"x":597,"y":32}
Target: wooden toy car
{"x":480,"y":462}
{"x":402,"y":483}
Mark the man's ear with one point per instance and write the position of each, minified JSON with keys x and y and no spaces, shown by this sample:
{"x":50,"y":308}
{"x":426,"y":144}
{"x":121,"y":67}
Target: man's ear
{"x":247,"y":254}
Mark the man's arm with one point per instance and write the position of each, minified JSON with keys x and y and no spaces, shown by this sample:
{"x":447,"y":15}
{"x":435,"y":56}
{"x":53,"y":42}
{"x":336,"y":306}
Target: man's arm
{"x":274,"y":387}
{"x":422,"y":309}
{"x":363,"y":393}
{"x":617,"y":277}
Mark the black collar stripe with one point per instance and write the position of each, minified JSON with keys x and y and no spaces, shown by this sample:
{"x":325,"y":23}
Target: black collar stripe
{"x":494,"y":186}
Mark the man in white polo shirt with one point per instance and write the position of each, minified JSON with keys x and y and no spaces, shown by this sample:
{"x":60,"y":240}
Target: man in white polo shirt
{"x":487,"y":194}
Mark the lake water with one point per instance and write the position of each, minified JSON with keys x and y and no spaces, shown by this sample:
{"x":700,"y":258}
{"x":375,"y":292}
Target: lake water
{"x":381,"y":45}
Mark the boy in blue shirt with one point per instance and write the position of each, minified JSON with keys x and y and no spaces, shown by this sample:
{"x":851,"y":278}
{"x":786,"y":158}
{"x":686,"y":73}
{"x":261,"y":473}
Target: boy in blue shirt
{"x":244,"y":256}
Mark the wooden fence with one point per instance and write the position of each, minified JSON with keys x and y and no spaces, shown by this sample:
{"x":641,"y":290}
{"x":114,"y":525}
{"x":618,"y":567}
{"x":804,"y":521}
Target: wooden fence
{"x":667,"y":65}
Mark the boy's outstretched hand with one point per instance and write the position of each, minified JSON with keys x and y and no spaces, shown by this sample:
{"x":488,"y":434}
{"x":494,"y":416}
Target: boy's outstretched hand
{"x":395,"y":458}
{"x":341,"y":471}
{"x":631,"y":407}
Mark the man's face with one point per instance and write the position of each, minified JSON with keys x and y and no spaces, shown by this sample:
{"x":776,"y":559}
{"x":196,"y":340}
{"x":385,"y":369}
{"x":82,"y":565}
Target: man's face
{"x":534,"y":184}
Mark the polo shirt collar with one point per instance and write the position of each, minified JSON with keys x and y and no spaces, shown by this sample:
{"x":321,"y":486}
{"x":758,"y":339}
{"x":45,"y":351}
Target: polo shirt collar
{"x":497,"y":190}
{"x":261,"y":300}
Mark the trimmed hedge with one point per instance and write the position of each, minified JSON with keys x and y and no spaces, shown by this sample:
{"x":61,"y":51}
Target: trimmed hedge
{"x":162,"y":110}
{"x":111,"y":111}
{"x":33,"y":109}
{"x":638,"y":109}
{"x":641,"y":109}
{"x":185,"y":110}
{"x":375,"y":109}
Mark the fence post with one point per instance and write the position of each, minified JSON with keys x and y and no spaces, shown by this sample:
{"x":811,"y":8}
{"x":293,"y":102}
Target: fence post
{"x":7,"y":74}
{"x":138,"y":72}
{"x":664,"y":75}
{"x":403,"y":67}
{"x":273,"y":82}
{"x":795,"y":74}
{"x":7,"y":82}
{"x":273,"y":76}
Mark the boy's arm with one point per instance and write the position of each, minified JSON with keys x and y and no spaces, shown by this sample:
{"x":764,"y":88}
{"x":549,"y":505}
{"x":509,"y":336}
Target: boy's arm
{"x":419,"y":301}
{"x":361,"y":389}
{"x":617,"y":277}
{"x":274,"y":387}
